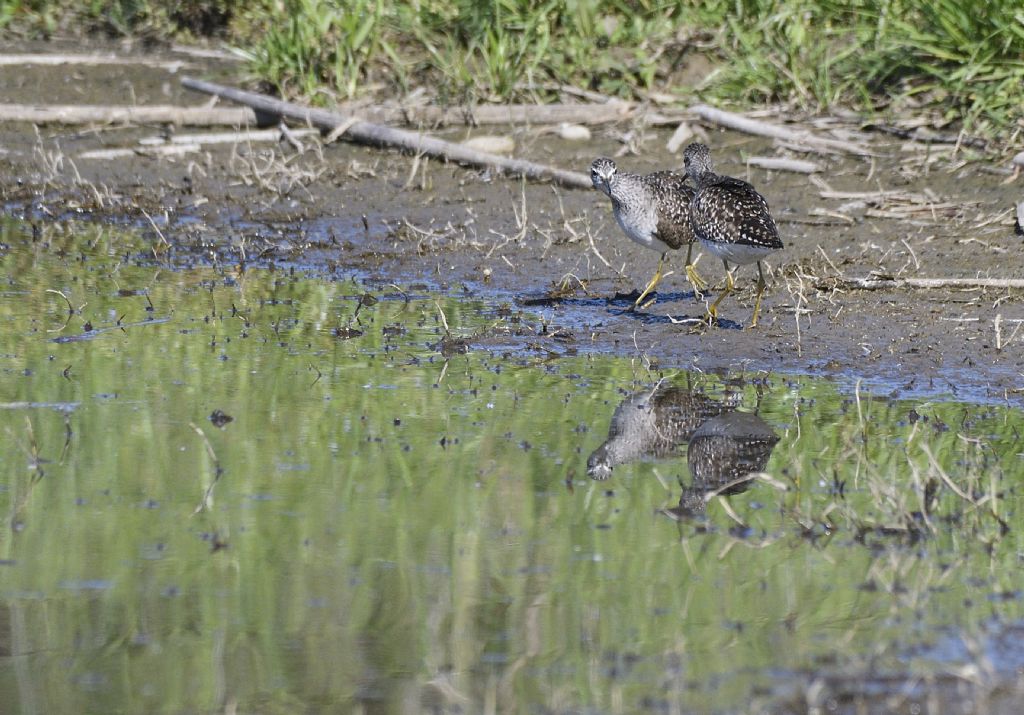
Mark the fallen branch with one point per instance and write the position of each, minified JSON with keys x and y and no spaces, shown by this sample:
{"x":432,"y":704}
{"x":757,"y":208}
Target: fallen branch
{"x":93,"y":59}
{"x":156,"y":114}
{"x":206,"y":53}
{"x":928,"y":136}
{"x":516,"y":114}
{"x":880,"y":282}
{"x":377,"y":135}
{"x":257,"y":135}
{"x":916,"y":212}
{"x":774,"y":131}
{"x":876,"y":196}
{"x":124,"y":152}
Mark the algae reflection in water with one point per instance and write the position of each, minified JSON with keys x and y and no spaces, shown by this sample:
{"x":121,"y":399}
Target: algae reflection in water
{"x":381,"y":526}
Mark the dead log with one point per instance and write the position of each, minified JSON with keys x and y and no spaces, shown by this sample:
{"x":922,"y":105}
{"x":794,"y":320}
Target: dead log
{"x":51,"y":60}
{"x":804,"y":139}
{"x":154,"y":151}
{"x":364,"y":132}
{"x":514,"y":114}
{"x":157,"y":114}
{"x":924,"y":135}
{"x":243,"y":137}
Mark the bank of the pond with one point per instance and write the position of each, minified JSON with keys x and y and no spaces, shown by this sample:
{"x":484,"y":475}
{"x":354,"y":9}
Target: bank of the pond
{"x":341,"y":212}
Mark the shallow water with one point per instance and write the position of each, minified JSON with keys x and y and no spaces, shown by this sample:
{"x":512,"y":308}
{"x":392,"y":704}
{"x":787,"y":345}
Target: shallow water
{"x":398,"y":520}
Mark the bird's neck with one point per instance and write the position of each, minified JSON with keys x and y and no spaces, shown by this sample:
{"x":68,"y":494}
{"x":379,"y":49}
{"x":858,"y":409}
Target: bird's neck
{"x":620,"y":187}
{"x":704,"y":178}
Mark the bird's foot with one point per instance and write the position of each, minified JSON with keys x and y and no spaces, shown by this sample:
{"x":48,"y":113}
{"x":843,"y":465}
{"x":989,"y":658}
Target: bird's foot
{"x":699,"y":284}
{"x":651,"y":300}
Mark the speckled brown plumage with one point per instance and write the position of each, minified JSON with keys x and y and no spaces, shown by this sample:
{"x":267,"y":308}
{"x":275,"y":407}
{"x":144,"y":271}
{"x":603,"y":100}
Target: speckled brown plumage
{"x":672,"y":196}
{"x":731,"y":219}
{"x":720,"y":453}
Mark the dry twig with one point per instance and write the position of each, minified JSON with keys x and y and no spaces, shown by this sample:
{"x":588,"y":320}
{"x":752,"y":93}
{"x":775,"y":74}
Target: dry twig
{"x":877,"y":281}
{"x":378,"y":135}
{"x":805,"y":139}
{"x":156,"y":114}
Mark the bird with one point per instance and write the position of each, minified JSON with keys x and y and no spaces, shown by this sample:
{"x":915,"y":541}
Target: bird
{"x":731,"y":220}
{"x":652,"y":424}
{"x":653,"y":210}
{"x":722,"y":454}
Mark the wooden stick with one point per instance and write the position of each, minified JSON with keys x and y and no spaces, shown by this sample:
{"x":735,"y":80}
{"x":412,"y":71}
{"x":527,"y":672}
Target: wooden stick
{"x":774,"y":131}
{"x":775,"y":163}
{"x":206,"y":53}
{"x":374,"y":134}
{"x":256,"y":135}
{"x":121,"y":153}
{"x":895,"y":194}
{"x":928,"y":136}
{"x":82,"y":59}
{"x":880,"y":282}
{"x":528,"y":114}
{"x":157,"y":114}
{"x":516,"y":114}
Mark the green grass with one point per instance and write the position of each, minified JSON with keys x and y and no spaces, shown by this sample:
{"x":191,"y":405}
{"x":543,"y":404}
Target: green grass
{"x":962,"y":60}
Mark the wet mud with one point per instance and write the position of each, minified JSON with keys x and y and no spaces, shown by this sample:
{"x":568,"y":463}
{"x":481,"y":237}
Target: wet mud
{"x":343,"y":211}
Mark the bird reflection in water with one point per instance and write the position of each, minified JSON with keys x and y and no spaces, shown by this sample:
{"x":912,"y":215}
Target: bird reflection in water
{"x":723,"y":446}
{"x":653,"y":424}
{"x":722,"y":454}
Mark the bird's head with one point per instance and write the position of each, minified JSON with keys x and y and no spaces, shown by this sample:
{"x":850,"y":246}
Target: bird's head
{"x":697,"y":161}
{"x":601,"y":173}
{"x":599,"y":464}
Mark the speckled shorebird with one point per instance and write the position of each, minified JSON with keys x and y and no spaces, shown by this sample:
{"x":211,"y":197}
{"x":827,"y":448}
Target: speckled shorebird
{"x":731,"y":220}
{"x":652,"y":423}
{"x":653,"y":210}
{"x":721,"y":454}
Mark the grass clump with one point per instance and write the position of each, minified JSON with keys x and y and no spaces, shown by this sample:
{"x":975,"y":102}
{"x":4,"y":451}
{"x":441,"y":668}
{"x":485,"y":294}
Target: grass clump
{"x":964,"y":59}
{"x":151,"y":20}
{"x":306,"y":44}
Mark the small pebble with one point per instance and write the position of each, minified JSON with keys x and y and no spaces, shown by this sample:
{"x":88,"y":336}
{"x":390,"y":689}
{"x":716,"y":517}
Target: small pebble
{"x":573,"y":132}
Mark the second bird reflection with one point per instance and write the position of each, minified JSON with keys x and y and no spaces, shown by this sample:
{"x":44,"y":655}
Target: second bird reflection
{"x":722,"y":452}
{"x":723,"y":445}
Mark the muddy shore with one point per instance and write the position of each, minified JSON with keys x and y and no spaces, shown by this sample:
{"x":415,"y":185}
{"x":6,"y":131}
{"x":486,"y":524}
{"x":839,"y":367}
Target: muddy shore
{"x":345,"y":211}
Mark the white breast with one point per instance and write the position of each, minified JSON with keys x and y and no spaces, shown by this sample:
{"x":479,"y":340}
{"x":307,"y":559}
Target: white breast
{"x":640,"y":226}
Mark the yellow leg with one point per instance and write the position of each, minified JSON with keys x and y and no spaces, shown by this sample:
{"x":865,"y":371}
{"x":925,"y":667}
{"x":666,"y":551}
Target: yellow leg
{"x":713,"y":310}
{"x":699,"y":284}
{"x":760,"y":290}
{"x":654,"y":282}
